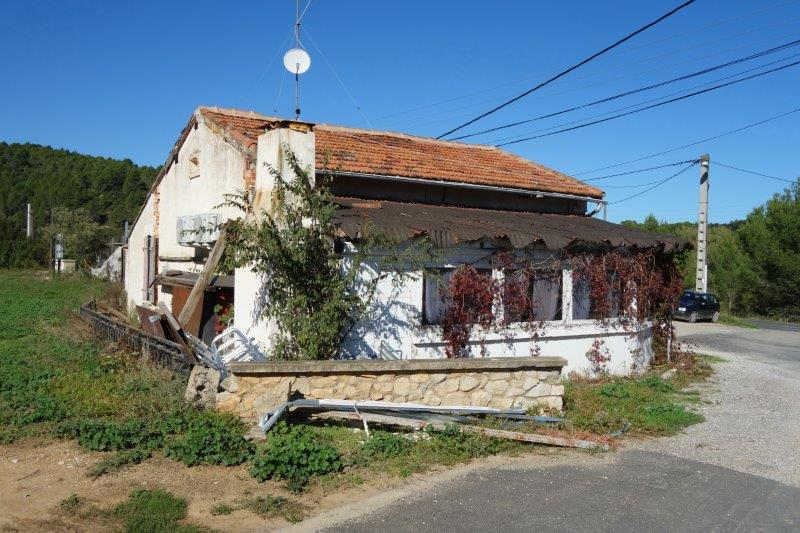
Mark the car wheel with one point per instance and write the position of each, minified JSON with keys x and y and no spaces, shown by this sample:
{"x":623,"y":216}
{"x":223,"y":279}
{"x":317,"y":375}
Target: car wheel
{"x":715,"y":316}
{"x":693,"y":317}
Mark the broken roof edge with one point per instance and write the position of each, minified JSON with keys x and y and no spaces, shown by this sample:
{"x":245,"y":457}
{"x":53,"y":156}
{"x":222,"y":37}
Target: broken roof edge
{"x":452,"y":226}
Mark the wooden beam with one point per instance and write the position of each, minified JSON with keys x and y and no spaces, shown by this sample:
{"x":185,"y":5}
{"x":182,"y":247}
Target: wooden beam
{"x":177,"y":332}
{"x":196,"y":296}
{"x":399,"y":421}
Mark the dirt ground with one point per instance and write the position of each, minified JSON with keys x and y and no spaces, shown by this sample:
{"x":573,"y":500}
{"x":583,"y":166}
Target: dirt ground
{"x":37,"y":476}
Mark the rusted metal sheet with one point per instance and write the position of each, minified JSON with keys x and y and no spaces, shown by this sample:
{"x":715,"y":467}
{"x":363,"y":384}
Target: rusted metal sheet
{"x":449,"y":226}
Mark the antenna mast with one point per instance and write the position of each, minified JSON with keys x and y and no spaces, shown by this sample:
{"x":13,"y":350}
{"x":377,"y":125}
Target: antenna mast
{"x":296,"y":72}
{"x":297,"y":60}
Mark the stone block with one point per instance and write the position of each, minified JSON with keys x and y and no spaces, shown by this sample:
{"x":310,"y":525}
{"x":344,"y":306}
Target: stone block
{"x":447,"y":386}
{"x":201,"y":389}
{"x":230,"y":384}
{"x":435,"y":379}
{"x":228,"y":402}
{"x":467,"y":383}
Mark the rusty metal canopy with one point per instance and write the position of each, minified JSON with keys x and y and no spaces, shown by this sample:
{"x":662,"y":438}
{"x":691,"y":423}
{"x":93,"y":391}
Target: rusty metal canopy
{"x":449,"y":225}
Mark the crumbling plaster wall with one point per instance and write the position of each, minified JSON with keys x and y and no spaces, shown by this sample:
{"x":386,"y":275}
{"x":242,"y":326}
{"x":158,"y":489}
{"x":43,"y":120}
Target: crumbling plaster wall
{"x":184,"y":190}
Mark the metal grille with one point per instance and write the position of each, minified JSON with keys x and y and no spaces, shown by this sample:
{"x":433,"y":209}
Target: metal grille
{"x":163,"y":352}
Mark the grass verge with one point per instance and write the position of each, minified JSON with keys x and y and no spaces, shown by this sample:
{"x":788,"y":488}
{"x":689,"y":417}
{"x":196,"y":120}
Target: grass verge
{"x":645,"y":405}
{"x":735,"y":321}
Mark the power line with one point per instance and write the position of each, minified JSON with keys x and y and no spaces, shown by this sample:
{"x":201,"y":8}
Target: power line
{"x":637,"y":171}
{"x":753,"y":172}
{"x":690,"y":144}
{"x":652,"y":106}
{"x":657,"y":183}
{"x":635,"y":91}
{"x":661,"y":98}
{"x":336,"y":75}
{"x":570,"y":69}
{"x":693,"y":31}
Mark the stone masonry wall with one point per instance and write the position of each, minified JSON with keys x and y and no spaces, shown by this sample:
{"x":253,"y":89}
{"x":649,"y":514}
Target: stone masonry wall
{"x":253,"y":389}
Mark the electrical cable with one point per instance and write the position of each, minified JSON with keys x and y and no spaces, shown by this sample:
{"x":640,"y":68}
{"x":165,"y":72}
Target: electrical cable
{"x":652,"y":106}
{"x":754,"y":172}
{"x":567,"y":71}
{"x":690,"y":144}
{"x":657,"y":183}
{"x":748,"y":15}
{"x":634,"y":91}
{"x":637,"y":171}
{"x":339,"y":79}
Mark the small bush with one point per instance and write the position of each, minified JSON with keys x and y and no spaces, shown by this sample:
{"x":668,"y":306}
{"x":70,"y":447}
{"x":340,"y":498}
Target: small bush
{"x":383,"y":445}
{"x":295,"y":454}
{"x":153,"y":511}
{"x":271,"y":506}
{"x":71,"y":504}
{"x":212,"y":439}
{"x":118,"y":461}
{"x":460,"y":446}
{"x":221,"y":509}
{"x":104,"y":435}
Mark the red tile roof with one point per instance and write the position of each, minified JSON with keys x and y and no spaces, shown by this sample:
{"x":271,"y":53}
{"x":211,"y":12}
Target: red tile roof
{"x":395,"y":154}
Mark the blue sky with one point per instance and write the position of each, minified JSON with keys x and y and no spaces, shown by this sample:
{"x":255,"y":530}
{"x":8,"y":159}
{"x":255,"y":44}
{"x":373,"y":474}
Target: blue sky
{"x":120,"y":79}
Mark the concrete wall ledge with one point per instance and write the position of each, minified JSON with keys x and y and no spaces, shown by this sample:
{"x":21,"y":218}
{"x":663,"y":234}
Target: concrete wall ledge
{"x":378,"y":366}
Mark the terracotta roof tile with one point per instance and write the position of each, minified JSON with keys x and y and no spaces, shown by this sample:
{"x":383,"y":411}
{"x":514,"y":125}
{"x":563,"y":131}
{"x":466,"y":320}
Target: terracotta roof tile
{"x":395,"y":154}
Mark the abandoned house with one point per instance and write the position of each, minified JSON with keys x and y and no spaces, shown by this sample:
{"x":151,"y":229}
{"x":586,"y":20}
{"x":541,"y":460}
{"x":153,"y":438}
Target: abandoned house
{"x":470,"y":199}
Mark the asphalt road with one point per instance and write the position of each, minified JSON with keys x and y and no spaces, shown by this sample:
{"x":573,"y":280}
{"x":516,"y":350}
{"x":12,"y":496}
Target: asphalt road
{"x":739,"y":471}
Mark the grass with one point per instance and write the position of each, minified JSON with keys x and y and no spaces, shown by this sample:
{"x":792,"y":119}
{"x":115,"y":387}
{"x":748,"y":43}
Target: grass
{"x":646,"y":405}
{"x":735,"y":321}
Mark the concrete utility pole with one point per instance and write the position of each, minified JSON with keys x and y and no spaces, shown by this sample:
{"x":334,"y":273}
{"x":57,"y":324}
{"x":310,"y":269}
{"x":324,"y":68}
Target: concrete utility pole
{"x":701,"y":284}
{"x":29,"y":222}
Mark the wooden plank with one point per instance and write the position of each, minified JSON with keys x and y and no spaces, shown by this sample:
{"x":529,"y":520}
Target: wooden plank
{"x":150,"y":321}
{"x":180,"y":295}
{"x":412,"y":423}
{"x":177,"y":332}
{"x":196,"y":296}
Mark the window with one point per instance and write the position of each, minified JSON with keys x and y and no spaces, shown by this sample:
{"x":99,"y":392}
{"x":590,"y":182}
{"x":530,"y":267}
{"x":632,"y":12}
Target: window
{"x":435,"y":287}
{"x":193,"y":169}
{"x":546,"y":295}
{"x":433,"y":301}
{"x":532,"y":296}
{"x":581,"y":303}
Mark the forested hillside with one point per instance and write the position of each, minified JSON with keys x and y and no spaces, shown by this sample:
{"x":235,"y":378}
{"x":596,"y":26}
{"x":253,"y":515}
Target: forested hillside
{"x":67,"y":189}
{"x":753,"y":264}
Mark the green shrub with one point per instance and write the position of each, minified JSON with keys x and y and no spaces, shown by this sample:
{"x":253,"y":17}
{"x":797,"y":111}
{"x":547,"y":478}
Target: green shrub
{"x":221,"y":509}
{"x":383,"y":445}
{"x":213,"y":439}
{"x":460,"y":446}
{"x":118,"y":461}
{"x":105,"y":435}
{"x":295,"y":454}
{"x":153,"y":511}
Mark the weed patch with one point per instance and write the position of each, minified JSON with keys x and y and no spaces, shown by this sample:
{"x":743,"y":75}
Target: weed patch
{"x":118,"y":461}
{"x":153,"y":511}
{"x":649,"y":404}
{"x":295,"y":454}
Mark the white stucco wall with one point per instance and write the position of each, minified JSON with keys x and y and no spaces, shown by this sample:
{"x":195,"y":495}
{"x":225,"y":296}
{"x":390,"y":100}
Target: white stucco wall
{"x":248,"y":297}
{"x":220,"y":172}
{"x":134,"y":255}
{"x":394,"y":327}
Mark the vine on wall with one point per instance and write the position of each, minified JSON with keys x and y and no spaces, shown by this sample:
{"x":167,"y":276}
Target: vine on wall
{"x":627,"y":286}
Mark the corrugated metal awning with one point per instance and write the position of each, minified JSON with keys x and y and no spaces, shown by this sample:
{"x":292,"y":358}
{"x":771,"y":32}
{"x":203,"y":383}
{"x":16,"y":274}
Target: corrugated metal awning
{"x":449,"y":225}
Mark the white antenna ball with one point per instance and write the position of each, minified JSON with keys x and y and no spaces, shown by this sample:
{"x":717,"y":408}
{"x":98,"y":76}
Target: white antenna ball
{"x":297,"y":61}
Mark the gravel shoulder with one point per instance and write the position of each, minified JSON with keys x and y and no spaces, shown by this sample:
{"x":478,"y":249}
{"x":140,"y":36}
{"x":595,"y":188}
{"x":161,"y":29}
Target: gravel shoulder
{"x":753,"y":404}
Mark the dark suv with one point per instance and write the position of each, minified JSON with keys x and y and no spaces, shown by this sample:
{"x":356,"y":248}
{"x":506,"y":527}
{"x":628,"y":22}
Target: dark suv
{"x":694,"y":306}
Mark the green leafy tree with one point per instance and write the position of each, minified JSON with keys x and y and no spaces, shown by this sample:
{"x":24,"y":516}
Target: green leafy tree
{"x":314,"y":286}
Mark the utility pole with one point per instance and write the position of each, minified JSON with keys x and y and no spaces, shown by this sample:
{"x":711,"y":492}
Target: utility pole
{"x":29,"y":222}
{"x":701,"y":282}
